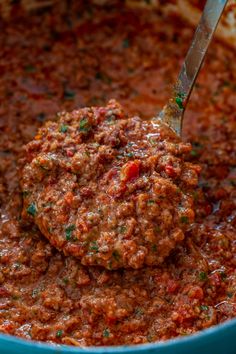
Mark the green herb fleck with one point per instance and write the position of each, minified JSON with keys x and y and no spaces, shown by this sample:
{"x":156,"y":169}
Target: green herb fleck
{"x":59,"y":333}
{"x":180,"y":99}
{"x":25,"y":194}
{"x":111,"y":119}
{"x":32,"y":210}
{"x":122,"y":229}
{"x":30,"y":69}
{"x":65,"y":280}
{"x":126,"y":43}
{"x":130,"y":154}
{"x":202,"y":276}
{"x":223,"y":276}
{"x":195,"y":196}
{"x":138,"y":311}
{"x":106,"y":333}
{"x":15,"y":297}
{"x":151,"y":202}
{"x":149,"y":338}
{"x":63,"y":128}
{"x":103,"y":77}
{"x":17,"y":265}
{"x":154,"y":248}
{"x":84,"y":125}
{"x":69,"y":94}
{"x":226,"y":83}
{"x":69,"y":231}
{"x":204,"y":307}
{"x":179,"y":102}
{"x":230,"y":294}
{"x":194,"y":153}
{"x":35,"y":293}
{"x":184,"y":219}
{"x":50,"y":229}
{"x":157,"y":229}
{"x":151,"y":141}
{"x":94,"y":246}
{"x":116,"y":255}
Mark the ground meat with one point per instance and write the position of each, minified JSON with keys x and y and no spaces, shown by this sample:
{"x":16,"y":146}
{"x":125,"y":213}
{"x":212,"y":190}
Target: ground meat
{"x":111,"y":190}
{"x":77,"y":55}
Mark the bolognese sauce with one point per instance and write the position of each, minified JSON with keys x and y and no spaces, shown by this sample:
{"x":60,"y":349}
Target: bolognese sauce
{"x":108,"y":189}
{"x":64,"y":59}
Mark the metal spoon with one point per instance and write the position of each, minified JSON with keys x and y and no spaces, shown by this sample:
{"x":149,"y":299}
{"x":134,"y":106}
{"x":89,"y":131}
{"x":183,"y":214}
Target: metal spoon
{"x":172,"y":114}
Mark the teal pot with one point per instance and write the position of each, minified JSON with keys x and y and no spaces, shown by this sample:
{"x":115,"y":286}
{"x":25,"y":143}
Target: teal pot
{"x":219,"y":339}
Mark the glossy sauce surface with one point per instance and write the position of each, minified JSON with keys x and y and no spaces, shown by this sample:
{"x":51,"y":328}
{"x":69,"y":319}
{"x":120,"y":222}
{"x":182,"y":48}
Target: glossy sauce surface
{"x":70,"y":58}
{"x":111,"y":190}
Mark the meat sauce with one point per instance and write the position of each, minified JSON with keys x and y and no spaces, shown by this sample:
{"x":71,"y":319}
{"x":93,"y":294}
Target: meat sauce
{"x":68,"y":58}
{"x":109,"y":189}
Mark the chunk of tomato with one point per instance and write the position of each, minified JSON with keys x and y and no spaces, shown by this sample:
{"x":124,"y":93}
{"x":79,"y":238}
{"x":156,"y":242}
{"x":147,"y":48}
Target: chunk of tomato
{"x":130,"y":171}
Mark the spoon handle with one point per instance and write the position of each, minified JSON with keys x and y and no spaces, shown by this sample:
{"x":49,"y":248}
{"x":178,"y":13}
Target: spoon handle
{"x":172,"y":114}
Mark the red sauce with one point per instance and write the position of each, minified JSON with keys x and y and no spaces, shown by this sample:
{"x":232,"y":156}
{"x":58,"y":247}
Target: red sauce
{"x":66,"y":59}
{"x":123,"y":197}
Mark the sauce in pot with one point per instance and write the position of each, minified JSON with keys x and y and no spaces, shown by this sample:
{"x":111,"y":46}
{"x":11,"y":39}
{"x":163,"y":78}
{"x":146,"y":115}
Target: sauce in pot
{"x":65,"y":59}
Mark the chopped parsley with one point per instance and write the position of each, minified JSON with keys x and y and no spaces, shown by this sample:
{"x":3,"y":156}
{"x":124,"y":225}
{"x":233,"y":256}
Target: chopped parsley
{"x":229,"y":294}
{"x":154,"y":248}
{"x":179,"y":102}
{"x":195,"y":196}
{"x":204,"y":307}
{"x":65,"y":280}
{"x":223,"y":276}
{"x":202,"y":276}
{"x":84,"y":125}
{"x":116,"y":255}
{"x":59,"y":333}
{"x":32,"y":210}
{"x":17,"y":265}
{"x":157,"y":229}
{"x":149,"y":338}
{"x":130,"y":154}
{"x":25,"y":194}
{"x":151,"y":202}
{"x":184,"y":219}
{"x":63,"y":128}
{"x":180,"y":99}
{"x":151,"y":141}
{"x":122,"y":229}
{"x":194,"y":153}
{"x":69,"y":231}
{"x":15,"y":297}
{"x":94,"y":246}
{"x":126,"y":43}
{"x":35,"y":293}
{"x":106,"y":333}
{"x":138,"y":311}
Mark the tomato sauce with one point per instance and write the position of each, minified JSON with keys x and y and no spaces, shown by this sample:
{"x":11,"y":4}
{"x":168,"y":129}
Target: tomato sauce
{"x":70,"y":57}
{"x":121,"y":198}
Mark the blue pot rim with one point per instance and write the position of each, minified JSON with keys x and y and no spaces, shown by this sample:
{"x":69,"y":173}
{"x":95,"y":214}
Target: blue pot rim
{"x":208,"y":335}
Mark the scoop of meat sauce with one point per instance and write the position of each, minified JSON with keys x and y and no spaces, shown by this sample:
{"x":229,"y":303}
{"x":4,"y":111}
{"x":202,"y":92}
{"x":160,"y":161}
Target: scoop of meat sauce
{"x":108,"y":189}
